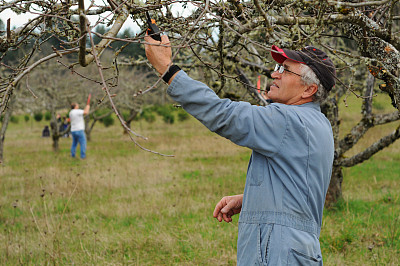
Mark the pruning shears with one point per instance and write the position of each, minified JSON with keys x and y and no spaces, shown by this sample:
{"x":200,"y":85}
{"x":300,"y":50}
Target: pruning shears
{"x":153,"y":31}
{"x":88,"y":99}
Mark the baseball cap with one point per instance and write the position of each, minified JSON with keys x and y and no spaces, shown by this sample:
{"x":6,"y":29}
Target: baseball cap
{"x":316,"y":59}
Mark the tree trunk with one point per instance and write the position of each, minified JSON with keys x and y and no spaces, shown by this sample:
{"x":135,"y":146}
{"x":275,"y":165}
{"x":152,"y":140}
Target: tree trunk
{"x":55,"y":128}
{"x":3,"y":130}
{"x":56,"y":146}
{"x":88,"y":136}
{"x":4,"y":125}
{"x":331,"y":111}
{"x":55,"y":134}
{"x":88,"y":129}
{"x":335,"y":186}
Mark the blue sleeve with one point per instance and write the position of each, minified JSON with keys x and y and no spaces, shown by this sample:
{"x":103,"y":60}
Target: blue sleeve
{"x":256,"y":127}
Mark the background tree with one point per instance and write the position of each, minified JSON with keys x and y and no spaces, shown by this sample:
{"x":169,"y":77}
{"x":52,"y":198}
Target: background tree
{"x":2,"y":28}
{"x":4,"y":120}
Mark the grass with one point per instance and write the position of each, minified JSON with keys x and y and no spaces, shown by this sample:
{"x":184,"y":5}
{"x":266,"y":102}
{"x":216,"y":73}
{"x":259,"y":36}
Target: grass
{"x":124,"y":206}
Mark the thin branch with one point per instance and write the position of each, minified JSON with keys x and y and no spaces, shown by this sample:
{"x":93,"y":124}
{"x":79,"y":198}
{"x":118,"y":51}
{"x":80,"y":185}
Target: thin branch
{"x":370,"y":3}
{"x":12,"y":84}
{"x":123,"y":123}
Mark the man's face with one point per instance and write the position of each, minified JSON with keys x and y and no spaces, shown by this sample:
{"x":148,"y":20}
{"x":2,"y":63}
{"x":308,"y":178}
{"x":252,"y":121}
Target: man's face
{"x":287,"y":87}
{"x":77,"y":106}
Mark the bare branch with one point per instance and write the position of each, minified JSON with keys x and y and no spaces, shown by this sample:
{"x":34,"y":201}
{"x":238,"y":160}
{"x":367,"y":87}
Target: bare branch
{"x":362,"y":4}
{"x":371,"y":150}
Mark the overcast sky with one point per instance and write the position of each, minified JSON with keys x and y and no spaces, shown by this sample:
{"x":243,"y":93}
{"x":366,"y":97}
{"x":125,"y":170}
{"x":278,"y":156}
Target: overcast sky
{"x":19,"y":20}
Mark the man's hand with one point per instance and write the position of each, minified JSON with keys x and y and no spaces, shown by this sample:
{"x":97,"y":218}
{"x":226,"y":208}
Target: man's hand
{"x":158,"y":53}
{"x":227,"y":207}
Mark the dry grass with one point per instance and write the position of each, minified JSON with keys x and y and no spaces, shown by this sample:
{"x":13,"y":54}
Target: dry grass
{"x":120,"y":205}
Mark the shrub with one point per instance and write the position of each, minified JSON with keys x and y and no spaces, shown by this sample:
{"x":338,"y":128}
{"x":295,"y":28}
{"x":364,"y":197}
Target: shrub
{"x":137,"y":118}
{"x":183,"y":115}
{"x":125,"y":115}
{"x":169,"y":118}
{"x":14,"y":119}
{"x":147,"y":114}
{"x":47,"y":116}
{"x":100,"y":112}
{"x":107,"y":121}
{"x":26,"y":118}
{"x":164,"y":110}
{"x":38,"y":117}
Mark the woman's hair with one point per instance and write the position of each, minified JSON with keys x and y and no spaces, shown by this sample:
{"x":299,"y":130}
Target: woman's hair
{"x":308,"y":77}
{"x":73,"y":105}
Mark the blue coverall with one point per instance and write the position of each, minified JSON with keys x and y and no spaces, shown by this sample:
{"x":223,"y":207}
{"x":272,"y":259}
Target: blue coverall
{"x":288,"y":174}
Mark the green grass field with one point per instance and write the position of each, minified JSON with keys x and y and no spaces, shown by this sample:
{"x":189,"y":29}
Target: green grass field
{"x":124,"y":206}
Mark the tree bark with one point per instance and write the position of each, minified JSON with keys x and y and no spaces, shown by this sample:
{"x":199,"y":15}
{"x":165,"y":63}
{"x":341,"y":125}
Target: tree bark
{"x":55,"y":135}
{"x":88,"y":129}
{"x":4,"y":125}
{"x":335,"y":186}
{"x":56,"y":146}
{"x":331,"y":111}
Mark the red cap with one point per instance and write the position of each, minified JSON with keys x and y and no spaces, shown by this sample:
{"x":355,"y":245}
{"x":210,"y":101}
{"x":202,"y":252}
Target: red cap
{"x":316,"y":59}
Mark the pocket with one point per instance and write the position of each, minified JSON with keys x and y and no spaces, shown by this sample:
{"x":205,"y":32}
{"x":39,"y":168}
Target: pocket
{"x":299,"y":258}
{"x":256,"y":171}
{"x":265,"y":231}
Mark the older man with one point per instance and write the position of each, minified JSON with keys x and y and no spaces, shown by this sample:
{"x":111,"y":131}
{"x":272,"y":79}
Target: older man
{"x":292,"y":153}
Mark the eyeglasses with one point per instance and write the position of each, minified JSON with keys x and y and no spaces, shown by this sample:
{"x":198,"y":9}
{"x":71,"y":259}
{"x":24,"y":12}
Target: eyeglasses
{"x":281,"y":68}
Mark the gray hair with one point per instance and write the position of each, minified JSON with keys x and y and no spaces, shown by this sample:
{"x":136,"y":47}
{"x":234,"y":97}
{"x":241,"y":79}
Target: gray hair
{"x":308,"y":77}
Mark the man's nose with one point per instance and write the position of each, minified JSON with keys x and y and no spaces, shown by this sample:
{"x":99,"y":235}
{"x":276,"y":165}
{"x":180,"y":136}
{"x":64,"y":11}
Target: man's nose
{"x":275,"y":75}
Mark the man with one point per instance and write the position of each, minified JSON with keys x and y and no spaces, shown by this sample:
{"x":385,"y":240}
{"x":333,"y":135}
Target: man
{"x":78,"y":128}
{"x":292,"y":153}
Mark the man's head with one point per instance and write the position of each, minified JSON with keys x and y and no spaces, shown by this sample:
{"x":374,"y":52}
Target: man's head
{"x":74,"y":106}
{"x":307,"y":75}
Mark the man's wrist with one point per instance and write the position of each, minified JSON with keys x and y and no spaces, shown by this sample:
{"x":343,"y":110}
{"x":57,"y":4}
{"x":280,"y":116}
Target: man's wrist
{"x":173,"y":69}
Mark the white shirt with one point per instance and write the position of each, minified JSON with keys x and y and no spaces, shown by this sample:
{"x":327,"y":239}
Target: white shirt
{"x":77,"y":122}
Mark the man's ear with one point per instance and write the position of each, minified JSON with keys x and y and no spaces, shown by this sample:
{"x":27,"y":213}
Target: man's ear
{"x":310,"y":91}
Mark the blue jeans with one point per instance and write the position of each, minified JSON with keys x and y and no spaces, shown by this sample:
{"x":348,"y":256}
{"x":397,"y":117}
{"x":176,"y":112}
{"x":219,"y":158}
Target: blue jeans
{"x":78,"y":137}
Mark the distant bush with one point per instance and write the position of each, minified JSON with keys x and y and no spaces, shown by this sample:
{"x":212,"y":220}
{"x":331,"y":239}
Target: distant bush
{"x":38,"y":117}
{"x":169,"y":118}
{"x":125,"y":115}
{"x":148,"y":115}
{"x":107,"y":121}
{"x":100,"y":112}
{"x":164,"y":110}
{"x":26,"y":118}
{"x":47,"y":116}
{"x":14,"y":119}
{"x":167,"y":113}
{"x":183,"y":115}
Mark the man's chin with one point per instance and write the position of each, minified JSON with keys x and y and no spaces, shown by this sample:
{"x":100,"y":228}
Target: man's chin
{"x":270,"y":95}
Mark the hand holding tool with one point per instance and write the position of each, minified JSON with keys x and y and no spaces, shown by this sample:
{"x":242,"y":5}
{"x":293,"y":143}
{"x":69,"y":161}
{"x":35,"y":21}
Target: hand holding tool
{"x":153,"y":31}
{"x":88,"y":99}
